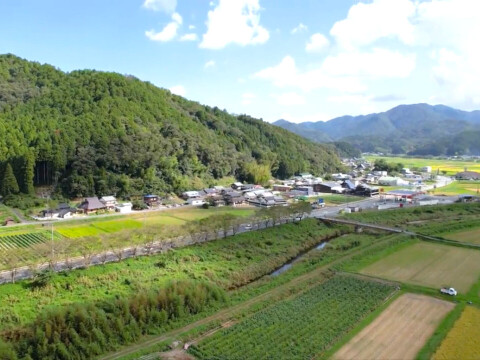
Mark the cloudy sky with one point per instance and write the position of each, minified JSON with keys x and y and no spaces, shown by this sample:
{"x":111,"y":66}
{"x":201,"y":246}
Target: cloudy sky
{"x":294,"y":59}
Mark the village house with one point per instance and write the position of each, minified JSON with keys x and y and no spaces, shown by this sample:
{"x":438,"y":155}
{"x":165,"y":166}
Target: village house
{"x":92,"y":204}
{"x":190,"y":195}
{"x":328,"y":187}
{"x":467,"y":175}
{"x":109,"y":201}
{"x":151,"y":200}
{"x":63,"y":211}
{"x":280,"y":187}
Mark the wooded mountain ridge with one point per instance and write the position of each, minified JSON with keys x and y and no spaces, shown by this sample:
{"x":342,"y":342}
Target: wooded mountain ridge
{"x":91,"y":132}
{"x":418,"y":129}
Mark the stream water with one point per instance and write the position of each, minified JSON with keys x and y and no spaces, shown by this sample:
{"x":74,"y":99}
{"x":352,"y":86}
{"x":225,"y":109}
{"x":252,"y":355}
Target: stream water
{"x":290,"y":263}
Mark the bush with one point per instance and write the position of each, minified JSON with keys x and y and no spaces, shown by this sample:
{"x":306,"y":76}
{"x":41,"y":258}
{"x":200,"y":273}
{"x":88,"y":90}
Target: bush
{"x":139,"y":205}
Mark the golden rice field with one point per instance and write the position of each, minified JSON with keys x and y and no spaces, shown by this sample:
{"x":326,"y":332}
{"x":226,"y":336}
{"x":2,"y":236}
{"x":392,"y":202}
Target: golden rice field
{"x":463,"y":341}
{"x":450,"y":166}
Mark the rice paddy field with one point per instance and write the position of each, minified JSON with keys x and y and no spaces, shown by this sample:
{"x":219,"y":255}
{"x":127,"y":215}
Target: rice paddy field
{"x":471,"y":236}
{"x":463,"y":340}
{"x":460,"y":187}
{"x":450,"y":166}
{"x":399,"y":332}
{"x":430,"y":265}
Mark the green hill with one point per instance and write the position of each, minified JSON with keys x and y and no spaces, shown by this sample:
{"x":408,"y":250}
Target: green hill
{"x":99,"y":133}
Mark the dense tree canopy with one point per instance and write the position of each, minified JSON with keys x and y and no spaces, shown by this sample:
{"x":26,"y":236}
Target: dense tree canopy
{"x":104,"y":133}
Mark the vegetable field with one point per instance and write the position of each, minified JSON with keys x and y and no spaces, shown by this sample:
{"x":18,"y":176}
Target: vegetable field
{"x":12,"y":242}
{"x":301,"y":328}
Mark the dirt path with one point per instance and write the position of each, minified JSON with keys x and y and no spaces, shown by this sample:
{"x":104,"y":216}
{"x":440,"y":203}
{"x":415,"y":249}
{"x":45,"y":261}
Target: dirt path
{"x":296,"y":285}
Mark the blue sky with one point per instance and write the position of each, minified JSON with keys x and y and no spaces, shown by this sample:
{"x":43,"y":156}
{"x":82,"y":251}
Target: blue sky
{"x":300,"y":60}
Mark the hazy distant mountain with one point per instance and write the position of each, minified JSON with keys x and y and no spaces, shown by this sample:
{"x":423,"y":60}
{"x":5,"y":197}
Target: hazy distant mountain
{"x":405,"y":128}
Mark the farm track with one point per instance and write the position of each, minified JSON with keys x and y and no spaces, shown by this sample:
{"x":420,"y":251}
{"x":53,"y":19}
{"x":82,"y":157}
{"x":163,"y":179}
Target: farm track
{"x":307,"y":281}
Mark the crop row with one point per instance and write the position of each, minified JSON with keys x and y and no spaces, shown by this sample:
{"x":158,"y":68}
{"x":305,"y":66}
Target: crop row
{"x":14,"y":242}
{"x":300,"y":328}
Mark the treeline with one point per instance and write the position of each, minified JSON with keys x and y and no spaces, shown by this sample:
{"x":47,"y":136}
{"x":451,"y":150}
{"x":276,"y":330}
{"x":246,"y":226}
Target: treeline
{"x":84,"y":331}
{"x":104,"y":133}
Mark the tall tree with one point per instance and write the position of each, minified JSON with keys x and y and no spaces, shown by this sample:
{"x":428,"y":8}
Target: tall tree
{"x":28,"y":174}
{"x":9,"y":183}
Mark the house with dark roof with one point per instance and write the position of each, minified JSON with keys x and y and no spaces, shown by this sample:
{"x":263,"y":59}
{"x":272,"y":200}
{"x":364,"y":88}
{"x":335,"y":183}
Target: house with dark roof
{"x":92,"y":204}
{"x":467,"y":175}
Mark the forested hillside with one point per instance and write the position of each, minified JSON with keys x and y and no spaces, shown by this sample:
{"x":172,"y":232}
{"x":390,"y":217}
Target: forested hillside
{"x":102,"y":133}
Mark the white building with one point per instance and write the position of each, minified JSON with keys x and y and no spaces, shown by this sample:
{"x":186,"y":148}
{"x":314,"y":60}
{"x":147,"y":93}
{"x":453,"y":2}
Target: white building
{"x":124,"y":208}
{"x":427,"y":169}
{"x":392,"y":181}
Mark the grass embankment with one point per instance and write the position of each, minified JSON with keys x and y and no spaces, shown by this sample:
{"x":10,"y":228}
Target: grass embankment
{"x":418,"y":216}
{"x":229,"y":262}
{"x":450,"y":166}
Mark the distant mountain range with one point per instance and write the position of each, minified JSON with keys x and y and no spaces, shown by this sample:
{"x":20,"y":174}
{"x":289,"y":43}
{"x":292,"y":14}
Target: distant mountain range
{"x":418,"y":129}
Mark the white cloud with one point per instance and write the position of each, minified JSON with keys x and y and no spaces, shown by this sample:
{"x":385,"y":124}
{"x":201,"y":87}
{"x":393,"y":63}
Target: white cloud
{"x":178,"y":90}
{"x":317,"y":43}
{"x":345,"y":72}
{"x":189,"y":37}
{"x":378,"y":63}
{"x":191,"y":27}
{"x":169,"y":32}
{"x":248,"y":98}
{"x":299,"y":28}
{"x":235,"y":22}
{"x":290,"y":99}
{"x":176,"y":17}
{"x":167,"y":6}
{"x":209,"y":64}
{"x":367,"y":23}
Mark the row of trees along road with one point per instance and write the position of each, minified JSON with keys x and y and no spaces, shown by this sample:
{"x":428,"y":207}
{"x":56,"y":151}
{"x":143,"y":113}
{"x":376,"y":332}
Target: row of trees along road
{"x":144,"y":241}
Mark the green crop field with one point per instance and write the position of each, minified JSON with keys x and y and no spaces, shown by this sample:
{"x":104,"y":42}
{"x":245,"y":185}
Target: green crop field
{"x":300,"y":328}
{"x":450,"y":166}
{"x":100,"y":227}
{"x":430,"y":265}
